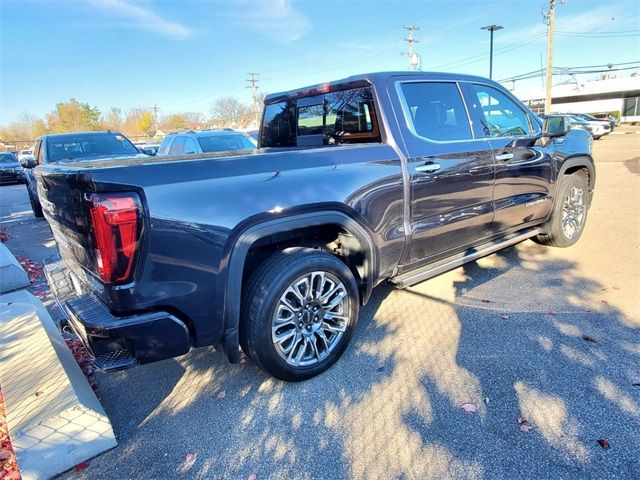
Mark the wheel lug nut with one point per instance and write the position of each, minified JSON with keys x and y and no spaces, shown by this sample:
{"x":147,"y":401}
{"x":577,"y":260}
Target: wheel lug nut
{"x":308,"y":327}
{"x":315,"y":309}
{"x":299,"y":314}
{"x":316,"y":318}
{"x":306,"y":307}
{"x":300,"y":325}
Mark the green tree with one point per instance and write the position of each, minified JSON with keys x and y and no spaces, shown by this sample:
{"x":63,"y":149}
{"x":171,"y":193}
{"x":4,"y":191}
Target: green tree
{"x":144,"y":125}
{"x":73,"y":116}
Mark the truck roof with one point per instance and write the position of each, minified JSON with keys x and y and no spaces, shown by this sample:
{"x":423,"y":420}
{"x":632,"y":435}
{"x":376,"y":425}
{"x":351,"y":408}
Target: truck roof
{"x":363,"y":80}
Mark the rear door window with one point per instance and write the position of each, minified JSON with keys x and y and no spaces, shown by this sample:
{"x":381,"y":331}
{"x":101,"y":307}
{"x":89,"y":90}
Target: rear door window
{"x":436,"y":111}
{"x":177,"y":147}
{"x":163,"y":149}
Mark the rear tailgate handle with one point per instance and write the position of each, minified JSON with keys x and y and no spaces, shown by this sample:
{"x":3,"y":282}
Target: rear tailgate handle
{"x":504,"y":156}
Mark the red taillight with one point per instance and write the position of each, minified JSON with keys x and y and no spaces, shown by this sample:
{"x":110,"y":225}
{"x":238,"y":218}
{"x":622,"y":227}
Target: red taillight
{"x":116,"y":230}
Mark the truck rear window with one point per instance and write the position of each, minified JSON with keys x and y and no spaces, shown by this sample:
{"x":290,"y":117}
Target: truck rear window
{"x":346,"y":116}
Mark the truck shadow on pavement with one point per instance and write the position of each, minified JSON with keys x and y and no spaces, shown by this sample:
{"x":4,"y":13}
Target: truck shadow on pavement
{"x":546,"y":350}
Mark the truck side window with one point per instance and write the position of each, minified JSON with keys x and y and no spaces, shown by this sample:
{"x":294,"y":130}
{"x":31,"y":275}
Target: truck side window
{"x":177,"y":147}
{"x":436,"y":111}
{"x":279,"y":125}
{"x":164,"y":146}
{"x":38,"y":153}
{"x":502,"y":116}
{"x":190,"y":146}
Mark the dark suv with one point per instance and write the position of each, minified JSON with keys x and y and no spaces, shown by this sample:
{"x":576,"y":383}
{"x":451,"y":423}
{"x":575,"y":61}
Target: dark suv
{"x":10,"y":168}
{"x":74,"y":147}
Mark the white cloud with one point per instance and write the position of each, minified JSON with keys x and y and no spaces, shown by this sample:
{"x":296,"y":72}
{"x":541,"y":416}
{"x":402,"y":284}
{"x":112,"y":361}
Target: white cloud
{"x":277,"y":20}
{"x":142,"y":18}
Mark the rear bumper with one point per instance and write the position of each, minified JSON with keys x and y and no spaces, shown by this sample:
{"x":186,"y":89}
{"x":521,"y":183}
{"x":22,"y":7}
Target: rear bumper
{"x":116,"y":342}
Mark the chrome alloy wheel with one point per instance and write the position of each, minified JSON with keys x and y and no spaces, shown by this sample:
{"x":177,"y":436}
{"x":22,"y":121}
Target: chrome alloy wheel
{"x":573,"y":212}
{"x":310,"y":318}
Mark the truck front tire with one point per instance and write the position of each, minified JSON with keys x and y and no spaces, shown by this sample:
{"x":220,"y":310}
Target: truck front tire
{"x":569,"y":215}
{"x":299,"y":311}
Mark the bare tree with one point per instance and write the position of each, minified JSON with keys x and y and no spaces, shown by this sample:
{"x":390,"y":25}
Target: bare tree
{"x":230,"y":111}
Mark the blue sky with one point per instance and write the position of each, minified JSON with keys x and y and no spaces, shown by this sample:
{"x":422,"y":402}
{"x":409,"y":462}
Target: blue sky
{"x":182,"y":55}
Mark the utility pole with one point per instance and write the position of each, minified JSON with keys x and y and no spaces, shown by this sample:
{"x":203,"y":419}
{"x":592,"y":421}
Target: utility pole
{"x":550,"y":21}
{"x":252,"y":80}
{"x":155,"y":109}
{"x":414,"y":58}
{"x":491,"y":28}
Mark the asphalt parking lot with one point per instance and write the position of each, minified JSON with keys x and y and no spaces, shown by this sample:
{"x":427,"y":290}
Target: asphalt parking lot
{"x":548,"y":335}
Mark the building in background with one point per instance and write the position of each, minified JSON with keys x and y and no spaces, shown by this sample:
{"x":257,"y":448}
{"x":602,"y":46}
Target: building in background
{"x":617,"y":95}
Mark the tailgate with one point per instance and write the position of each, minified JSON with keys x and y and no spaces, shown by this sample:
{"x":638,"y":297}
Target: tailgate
{"x":62,"y":200}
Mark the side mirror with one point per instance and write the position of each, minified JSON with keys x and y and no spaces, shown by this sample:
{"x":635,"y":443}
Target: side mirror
{"x":29,"y":163}
{"x":555,"y":126}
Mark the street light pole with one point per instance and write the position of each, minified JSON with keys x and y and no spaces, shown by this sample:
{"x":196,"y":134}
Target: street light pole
{"x":491,"y":29}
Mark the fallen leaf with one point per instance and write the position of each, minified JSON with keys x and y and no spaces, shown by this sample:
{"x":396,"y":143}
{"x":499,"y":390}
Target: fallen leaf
{"x":38,"y":393}
{"x":604,"y":302}
{"x":552,"y":313}
{"x":521,"y":420}
{"x":604,"y":289}
{"x":616,"y":288}
{"x":469,"y":407}
{"x":222,"y":394}
{"x":525,"y":427}
{"x":587,"y":338}
{"x":505,"y":317}
{"x":189,"y":457}
{"x":81,"y":466}
{"x":604,"y":443}
{"x":485,"y":301}
{"x":486,"y":400}
{"x":252,"y":476}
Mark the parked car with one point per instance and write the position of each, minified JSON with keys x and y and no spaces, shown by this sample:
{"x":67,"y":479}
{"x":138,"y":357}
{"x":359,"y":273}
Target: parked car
{"x":205,"y":141}
{"x":74,"y":147}
{"x":596,"y":130}
{"x":22,"y":154}
{"x":608,"y":127}
{"x":10,"y":169}
{"x":613,"y":121}
{"x":381,"y":177}
{"x":150,"y":149}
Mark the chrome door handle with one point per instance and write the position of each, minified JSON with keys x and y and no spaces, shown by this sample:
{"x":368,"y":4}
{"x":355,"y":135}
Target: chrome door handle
{"x":428,"y":168}
{"x":504,"y":156}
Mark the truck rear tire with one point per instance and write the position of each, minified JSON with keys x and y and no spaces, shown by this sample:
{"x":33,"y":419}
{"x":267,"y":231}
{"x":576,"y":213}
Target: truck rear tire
{"x":35,"y":206}
{"x":299,"y":312}
{"x":569,"y":215}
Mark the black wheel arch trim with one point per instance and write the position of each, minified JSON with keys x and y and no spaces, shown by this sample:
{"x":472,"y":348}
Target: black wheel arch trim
{"x":241,"y":247}
{"x":580,"y":161}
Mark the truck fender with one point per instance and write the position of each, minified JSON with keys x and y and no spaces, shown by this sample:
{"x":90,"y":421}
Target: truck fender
{"x":241,"y":247}
{"x":573,"y":163}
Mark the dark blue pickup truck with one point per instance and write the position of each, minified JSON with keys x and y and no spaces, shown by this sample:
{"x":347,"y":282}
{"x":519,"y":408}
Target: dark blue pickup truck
{"x":380,"y":177}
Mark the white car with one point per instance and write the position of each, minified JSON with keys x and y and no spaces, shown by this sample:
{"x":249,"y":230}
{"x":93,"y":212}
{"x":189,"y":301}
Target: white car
{"x":25,"y":153}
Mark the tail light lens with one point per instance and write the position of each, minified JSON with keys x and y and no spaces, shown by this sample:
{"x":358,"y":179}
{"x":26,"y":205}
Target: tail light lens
{"x":115,"y":218}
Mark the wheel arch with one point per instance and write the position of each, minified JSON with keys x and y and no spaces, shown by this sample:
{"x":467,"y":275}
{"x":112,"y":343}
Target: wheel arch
{"x":578,"y":162}
{"x":249,"y":236}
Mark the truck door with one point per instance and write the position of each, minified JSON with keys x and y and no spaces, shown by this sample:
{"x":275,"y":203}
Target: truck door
{"x":522,"y":193}
{"x":451,"y":172}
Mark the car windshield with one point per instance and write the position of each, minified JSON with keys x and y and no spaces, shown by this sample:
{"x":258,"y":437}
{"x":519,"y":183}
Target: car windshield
{"x":8,"y":158}
{"x":85,"y":146}
{"x":227,"y":141}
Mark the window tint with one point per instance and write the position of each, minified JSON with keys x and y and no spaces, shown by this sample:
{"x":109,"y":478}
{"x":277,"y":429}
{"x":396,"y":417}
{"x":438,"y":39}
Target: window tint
{"x":177,"y":147}
{"x":85,"y":146}
{"x":190,"y":145}
{"x":436,"y":111}
{"x":164,"y":146}
{"x":39,"y":152}
{"x":346,"y":116}
{"x":500,"y":115}
{"x":225,"y":142}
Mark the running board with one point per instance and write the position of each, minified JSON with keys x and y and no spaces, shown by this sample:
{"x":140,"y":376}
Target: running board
{"x":434,"y":269}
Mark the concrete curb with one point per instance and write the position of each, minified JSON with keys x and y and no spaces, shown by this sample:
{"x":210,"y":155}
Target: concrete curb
{"x":55,"y":419}
{"x":12,"y":275}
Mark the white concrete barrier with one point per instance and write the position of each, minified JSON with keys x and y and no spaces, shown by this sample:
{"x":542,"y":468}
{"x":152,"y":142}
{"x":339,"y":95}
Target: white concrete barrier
{"x":12,"y":275}
{"x":55,"y":419}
